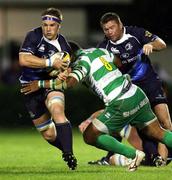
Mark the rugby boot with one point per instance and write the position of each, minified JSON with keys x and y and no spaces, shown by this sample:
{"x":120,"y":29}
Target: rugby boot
{"x":70,"y":159}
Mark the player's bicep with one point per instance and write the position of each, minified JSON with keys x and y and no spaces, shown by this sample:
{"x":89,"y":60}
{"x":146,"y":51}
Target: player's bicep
{"x":23,"y":56}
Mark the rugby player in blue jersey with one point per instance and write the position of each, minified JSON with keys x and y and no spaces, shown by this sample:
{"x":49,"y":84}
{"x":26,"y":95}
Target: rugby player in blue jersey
{"x":133,"y":45}
{"x":39,"y":54}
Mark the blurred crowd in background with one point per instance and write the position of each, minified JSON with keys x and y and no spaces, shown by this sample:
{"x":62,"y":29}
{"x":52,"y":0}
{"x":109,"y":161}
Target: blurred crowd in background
{"x":10,"y":70}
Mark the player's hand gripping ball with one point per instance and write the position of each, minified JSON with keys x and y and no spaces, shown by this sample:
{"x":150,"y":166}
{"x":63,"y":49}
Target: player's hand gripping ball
{"x":65,"y":57}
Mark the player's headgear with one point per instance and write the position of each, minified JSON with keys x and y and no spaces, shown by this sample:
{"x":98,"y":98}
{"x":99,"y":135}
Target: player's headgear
{"x":52,"y":14}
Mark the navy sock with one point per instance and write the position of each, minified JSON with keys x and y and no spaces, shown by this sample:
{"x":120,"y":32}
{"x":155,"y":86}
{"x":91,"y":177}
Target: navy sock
{"x":64,"y":135}
{"x":109,"y":154}
{"x":56,"y":143}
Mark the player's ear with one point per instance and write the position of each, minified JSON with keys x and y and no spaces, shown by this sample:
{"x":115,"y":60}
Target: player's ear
{"x":120,"y":25}
{"x":58,"y":26}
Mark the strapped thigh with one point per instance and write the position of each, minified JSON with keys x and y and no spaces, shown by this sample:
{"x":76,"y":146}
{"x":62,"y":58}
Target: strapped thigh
{"x":56,"y":99}
{"x":100,"y":126}
{"x":45,"y":125}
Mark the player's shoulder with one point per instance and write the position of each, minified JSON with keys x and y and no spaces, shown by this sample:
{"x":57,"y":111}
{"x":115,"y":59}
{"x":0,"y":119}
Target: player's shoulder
{"x":35,"y":33}
{"x":63,"y":41}
{"x":133,"y":29}
{"x":61,"y":37}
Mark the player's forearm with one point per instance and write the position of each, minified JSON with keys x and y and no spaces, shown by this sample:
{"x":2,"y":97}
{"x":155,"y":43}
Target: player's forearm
{"x":29,"y":60}
{"x":158,"y":44}
{"x":57,"y":84}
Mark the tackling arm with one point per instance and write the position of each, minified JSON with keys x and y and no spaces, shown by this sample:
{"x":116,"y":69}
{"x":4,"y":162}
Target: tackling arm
{"x":55,"y":84}
{"x":117,"y":62}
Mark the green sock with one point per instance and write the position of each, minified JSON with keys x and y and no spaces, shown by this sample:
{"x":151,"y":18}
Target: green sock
{"x":167,"y":139}
{"x":109,"y":143}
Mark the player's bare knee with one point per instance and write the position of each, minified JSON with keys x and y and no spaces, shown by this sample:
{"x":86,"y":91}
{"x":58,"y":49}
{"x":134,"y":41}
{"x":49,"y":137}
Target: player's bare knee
{"x":55,"y":101}
{"x":166,"y":125}
{"x":57,"y":110}
{"x":154,"y":130}
{"x":49,"y":134}
{"x":47,"y":129}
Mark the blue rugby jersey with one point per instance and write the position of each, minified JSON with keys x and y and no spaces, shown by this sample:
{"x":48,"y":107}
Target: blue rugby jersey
{"x":129,"y":50}
{"x":36,"y":44}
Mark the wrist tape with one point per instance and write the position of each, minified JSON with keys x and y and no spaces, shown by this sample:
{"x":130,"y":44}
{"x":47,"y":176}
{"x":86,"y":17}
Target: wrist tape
{"x":41,"y":83}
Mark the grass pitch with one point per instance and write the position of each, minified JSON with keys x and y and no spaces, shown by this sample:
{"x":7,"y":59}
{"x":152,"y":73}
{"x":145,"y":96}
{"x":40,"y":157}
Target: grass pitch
{"x":24,"y":155}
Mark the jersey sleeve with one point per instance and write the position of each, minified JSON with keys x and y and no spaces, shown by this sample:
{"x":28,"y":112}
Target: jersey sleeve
{"x":30,"y":43}
{"x":81,"y":69}
{"x":143,"y":35}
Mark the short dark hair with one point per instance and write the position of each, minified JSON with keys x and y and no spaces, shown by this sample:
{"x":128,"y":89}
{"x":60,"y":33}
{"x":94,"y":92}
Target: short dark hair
{"x":53,"y":12}
{"x":74,"y":46}
{"x":109,"y":16}
{"x":74,"y":49}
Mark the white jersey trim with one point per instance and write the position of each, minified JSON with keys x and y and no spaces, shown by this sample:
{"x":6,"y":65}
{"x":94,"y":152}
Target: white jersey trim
{"x":129,"y":93}
{"x":100,"y":126}
{"x":54,"y":43}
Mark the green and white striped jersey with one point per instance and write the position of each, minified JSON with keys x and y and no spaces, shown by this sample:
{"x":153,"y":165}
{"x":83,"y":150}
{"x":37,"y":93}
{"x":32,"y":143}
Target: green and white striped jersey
{"x":96,"y":66}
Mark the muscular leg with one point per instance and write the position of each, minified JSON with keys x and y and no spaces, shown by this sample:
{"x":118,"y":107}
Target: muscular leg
{"x":84,"y":125}
{"x":106,"y":142}
{"x":47,"y":130}
{"x":94,"y":137}
{"x":134,"y":139}
{"x":110,"y":153}
{"x":154,"y":131}
{"x":162,"y":112}
{"x":55,"y":105}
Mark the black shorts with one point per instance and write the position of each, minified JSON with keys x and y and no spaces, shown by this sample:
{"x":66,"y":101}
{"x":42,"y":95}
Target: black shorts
{"x":35,"y":103}
{"x":153,"y":88}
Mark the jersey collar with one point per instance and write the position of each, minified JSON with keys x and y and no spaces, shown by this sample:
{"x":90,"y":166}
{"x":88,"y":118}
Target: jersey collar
{"x":123,"y":38}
